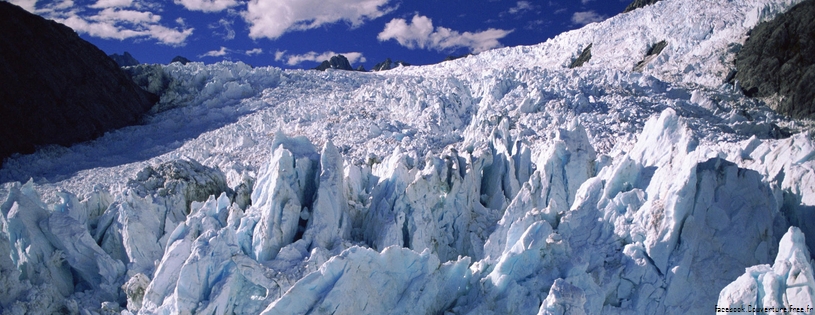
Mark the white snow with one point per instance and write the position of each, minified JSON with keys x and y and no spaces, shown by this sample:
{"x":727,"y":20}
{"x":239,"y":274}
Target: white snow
{"x":493,"y":184}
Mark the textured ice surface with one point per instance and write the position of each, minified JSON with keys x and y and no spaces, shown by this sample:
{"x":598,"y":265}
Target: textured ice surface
{"x":786,"y":287}
{"x":493,"y":184}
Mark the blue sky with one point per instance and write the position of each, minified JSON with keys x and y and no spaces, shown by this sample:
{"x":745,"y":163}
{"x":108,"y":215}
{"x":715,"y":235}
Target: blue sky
{"x":301,"y":33}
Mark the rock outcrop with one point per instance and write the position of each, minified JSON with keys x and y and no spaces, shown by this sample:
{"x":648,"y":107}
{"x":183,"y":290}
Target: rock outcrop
{"x":180,"y":59}
{"x":584,"y":57}
{"x":778,"y":60}
{"x":124,"y":60}
{"x":636,"y":4}
{"x":652,"y":53}
{"x":337,"y":62}
{"x":388,"y":64}
{"x":57,"y":88}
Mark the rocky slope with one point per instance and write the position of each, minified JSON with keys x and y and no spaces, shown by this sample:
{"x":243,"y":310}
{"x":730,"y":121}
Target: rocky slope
{"x":389,"y":64}
{"x":57,"y":88}
{"x":778,"y":61}
{"x":636,"y":4}
{"x":336,"y":62}
{"x":124,"y":60}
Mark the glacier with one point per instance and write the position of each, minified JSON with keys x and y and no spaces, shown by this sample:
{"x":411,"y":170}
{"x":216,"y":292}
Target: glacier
{"x":500,"y":183}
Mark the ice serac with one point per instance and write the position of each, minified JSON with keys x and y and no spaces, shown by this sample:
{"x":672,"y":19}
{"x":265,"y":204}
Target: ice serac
{"x":280,"y":199}
{"x":95,"y":268}
{"x":202,"y":270}
{"x":329,"y":221}
{"x":787,"y":286}
{"x":32,"y":254}
{"x":363,"y":281}
{"x":566,"y":163}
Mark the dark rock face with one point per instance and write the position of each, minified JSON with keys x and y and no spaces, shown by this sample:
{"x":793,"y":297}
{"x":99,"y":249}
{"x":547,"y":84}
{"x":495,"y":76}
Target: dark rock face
{"x":180,"y":59}
{"x":360,"y":68}
{"x":388,"y":64}
{"x":124,"y":60}
{"x":584,"y":57}
{"x":56,"y":88}
{"x":336,"y":62}
{"x":652,"y":53}
{"x":779,"y":59}
{"x":636,"y":4}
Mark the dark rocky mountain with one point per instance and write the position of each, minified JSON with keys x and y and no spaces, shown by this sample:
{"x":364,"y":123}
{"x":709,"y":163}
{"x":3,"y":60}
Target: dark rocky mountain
{"x":337,"y":62}
{"x":56,"y":88}
{"x":360,"y":68}
{"x":778,"y":60}
{"x":584,"y":57}
{"x":124,"y":60}
{"x":388,"y":64}
{"x":180,"y":59}
{"x":636,"y":4}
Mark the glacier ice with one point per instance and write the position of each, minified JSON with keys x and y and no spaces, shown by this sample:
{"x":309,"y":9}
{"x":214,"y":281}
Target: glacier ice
{"x":787,"y":286}
{"x":499,"y":183}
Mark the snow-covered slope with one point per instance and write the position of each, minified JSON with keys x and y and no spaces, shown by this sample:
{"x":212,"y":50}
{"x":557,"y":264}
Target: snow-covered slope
{"x":498,"y":183}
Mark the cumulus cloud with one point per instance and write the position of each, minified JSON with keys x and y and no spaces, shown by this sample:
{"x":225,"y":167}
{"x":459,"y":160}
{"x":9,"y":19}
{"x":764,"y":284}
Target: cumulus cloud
{"x":130,"y":16}
{"x":420,"y":33}
{"x":114,"y":23}
{"x":216,"y":53}
{"x":255,"y":51}
{"x":273,"y":18}
{"x":169,"y":36}
{"x":292,"y":60}
{"x":206,"y":5}
{"x":586,"y":17}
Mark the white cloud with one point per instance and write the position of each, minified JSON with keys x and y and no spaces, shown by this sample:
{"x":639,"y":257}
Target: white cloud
{"x":273,"y":18}
{"x":54,"y":7}
{"x":585,"y":1}
{"x":123,"y":24}
{"x":130,"y":16}
{"x":228,"y":33}
{"x":521,"y":7}
{"x":104,"y":29}
{"x":586,"y":17}
{"x":292,"y":60}
{"x":169,"y":36}
{"x":101,"y":4}
{"x":206,"y":5}
{"x":255,"y":51}
{"x":216,"y":53}
{"x":420,"y":33}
